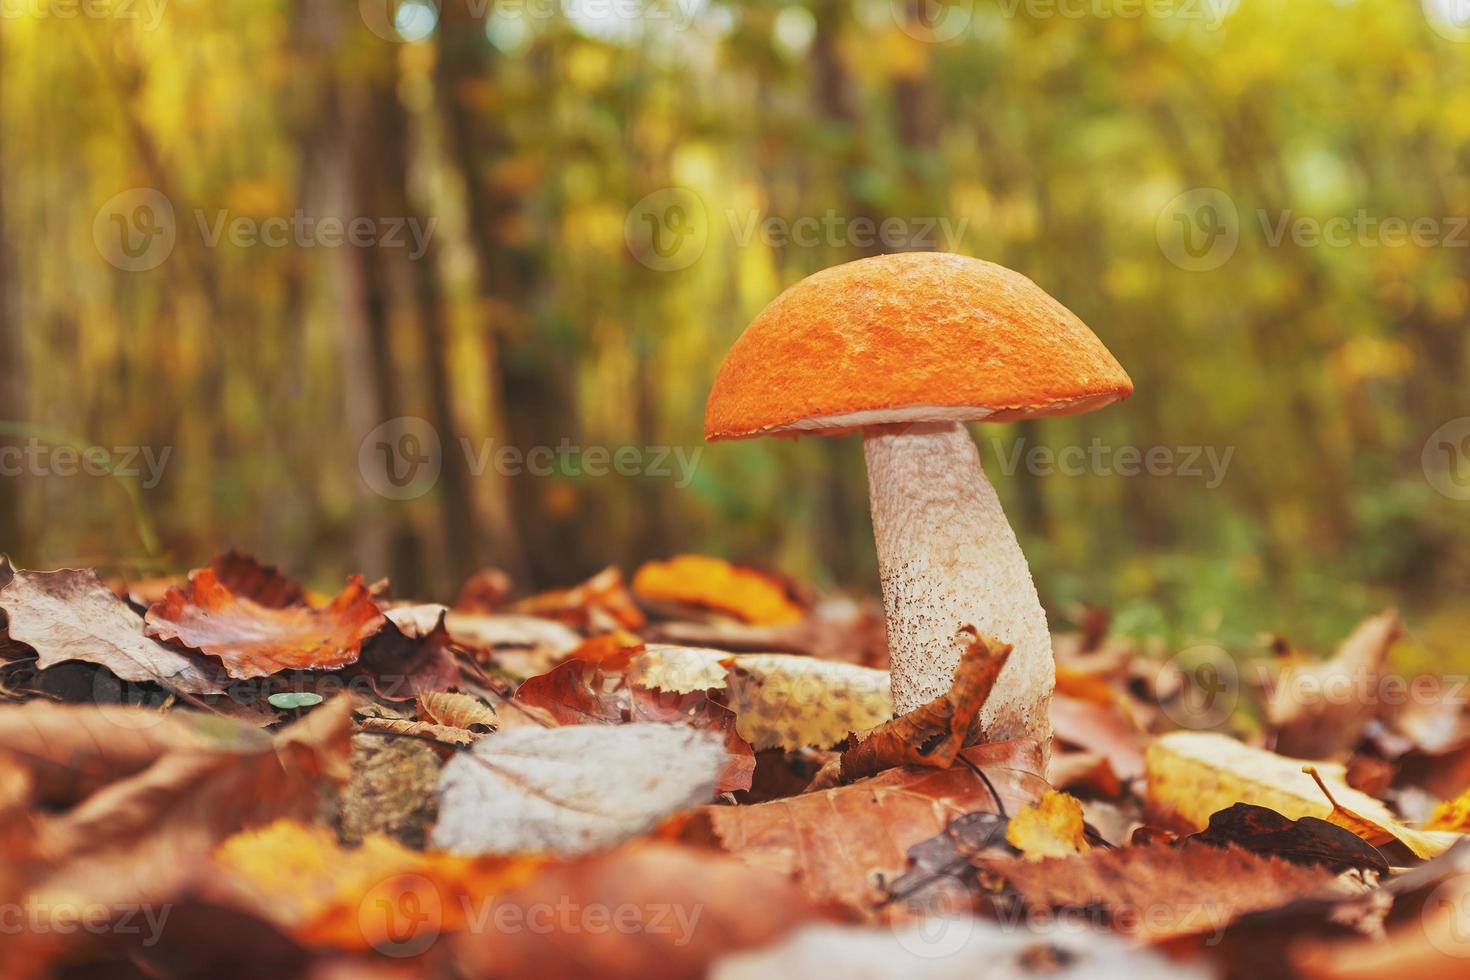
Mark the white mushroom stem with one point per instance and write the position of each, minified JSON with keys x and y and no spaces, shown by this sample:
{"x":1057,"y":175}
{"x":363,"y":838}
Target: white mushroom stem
{"x":948,"y":558}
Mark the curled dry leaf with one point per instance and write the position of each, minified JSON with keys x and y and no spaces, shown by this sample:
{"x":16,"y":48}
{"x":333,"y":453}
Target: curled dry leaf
{"x":299,"y":877}
{"x":1191,"y":775}
{"x":444,"y":734}
{"x":579,"y":692}
{"x":712,"y":583}
{"x":69,"y":614}
{"x":1050,"y":828}
{"x":600,"y":604}
{"x":1155,"y":892}
{"x":840,"y":843}
{"x":780,"y":700}
{"x":1307,"y":707}
{"x":673,"y":911}
{"x":253,"y":640}
{"x":932,"y":734}
{"x":456,"y":711}
{"x":572,"y":790}
{"x":1305,"y":841}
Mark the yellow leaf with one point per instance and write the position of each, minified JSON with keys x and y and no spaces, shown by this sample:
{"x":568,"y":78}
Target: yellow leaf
{"x":1051,"y":828}
{"x":1192,"y":775}
{"x":299,"y":877}
{"x":716,"y":584}
{"x":1452,"y":815}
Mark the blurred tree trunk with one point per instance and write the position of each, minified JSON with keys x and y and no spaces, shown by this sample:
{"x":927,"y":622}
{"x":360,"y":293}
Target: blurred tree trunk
{"x":843,"y":495}
{"x":503,"y":273}
{"x":12,"y":376}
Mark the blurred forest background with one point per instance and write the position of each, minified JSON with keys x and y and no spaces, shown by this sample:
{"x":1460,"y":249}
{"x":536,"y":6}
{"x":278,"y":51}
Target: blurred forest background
{"x":528,"y":131}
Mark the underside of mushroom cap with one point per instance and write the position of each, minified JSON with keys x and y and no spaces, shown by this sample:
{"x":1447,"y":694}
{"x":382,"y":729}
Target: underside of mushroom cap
{"x":915,"y":336}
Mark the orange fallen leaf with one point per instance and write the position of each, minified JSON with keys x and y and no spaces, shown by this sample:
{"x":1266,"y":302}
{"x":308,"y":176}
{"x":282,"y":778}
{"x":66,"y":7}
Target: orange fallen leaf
{"x":1050,"y":828}
{"x":648,"y":911}
{"x":840,"y":843}
{"x":602,"y":604}
{"x":713,"y":583}
{"x":253,"y":640}
{"x":1452,"y":815}
{"x":932,"y":734}
{"x":299,"y":877}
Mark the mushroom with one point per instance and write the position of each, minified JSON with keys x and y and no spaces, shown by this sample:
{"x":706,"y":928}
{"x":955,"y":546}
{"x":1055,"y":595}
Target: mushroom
{"x":905,"y":349}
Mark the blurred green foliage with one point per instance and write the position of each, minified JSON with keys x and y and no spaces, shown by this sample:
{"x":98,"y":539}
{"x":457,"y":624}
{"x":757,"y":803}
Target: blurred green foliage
{"x":528,"y":133}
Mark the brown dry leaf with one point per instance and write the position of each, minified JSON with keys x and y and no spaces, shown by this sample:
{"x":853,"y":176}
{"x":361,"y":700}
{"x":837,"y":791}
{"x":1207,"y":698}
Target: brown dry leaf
{"x":932,"y":734}
{"x":253,"y":640}
{"x":1191,"y":775}
{"x":1050,"y":828}
{"x":572,"y":790}
{"x":682,"y":908}
{"x":713,"y":583}
{"x":1432,"y":943}
{"x":400,"y":667}
{"x":1155,"y":892}
{"x":69,"y":614}
{"x":299,"y":877}
{"x":1089,"y":773}
{"x":579,"y":692}
{"x":444,"y":734}
{"x":600,"y":604}
{"x":1305,"y":841}
{"x":1320,"y":710}
{"x":840,"y":843}
{"x":457,"y":711}
{"x":511,"y":631}
{"x":140,"y":838}
{"x":264,"y":585}
{"x":1099,"y":728}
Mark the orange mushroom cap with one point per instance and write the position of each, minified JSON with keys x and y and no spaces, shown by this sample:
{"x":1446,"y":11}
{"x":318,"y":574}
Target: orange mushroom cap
{"x":914,"y":336}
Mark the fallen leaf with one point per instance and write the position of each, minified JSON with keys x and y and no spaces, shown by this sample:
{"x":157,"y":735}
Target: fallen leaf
{"x":1452,"y":815}
{"x":1320,"y":710}
{"x":253,"y":640}
{"x":713,"y":583}
{"x":69,"y":614}
{"x":511,"y":630}
{"x":1051,"y":827}
{"x":1308,"y":840}
{"x":457,"y":711}
{"x":1099,"y":728}
{"x":840,"y":843}
{"x":579,"y":692}
{"x":932,"y":734}
{"x":600,"y":604}
{"x":571,"y":790}
{"x":648,"y":911}
{"x":1191,"y":775}
{"x":1089,"y":773}
{"x":1154,"y":892}
{"x":403,"y":727}
{"x":954,"y":948}
{"x":299,"y":877}
{"x":941,"y":868}
{"x":140,"y":838}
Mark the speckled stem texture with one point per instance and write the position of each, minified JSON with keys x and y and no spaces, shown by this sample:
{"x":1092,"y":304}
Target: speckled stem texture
{"x":948,"y":558}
